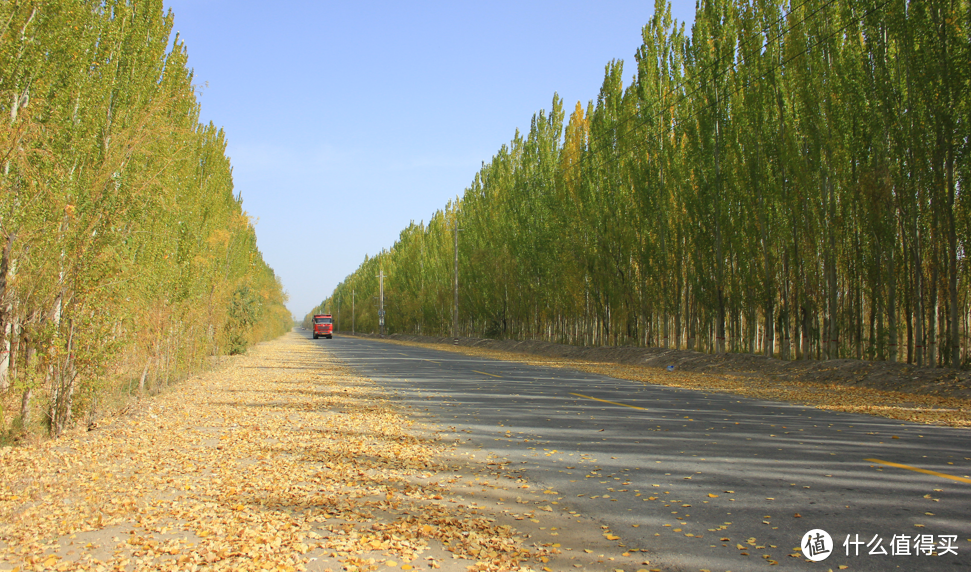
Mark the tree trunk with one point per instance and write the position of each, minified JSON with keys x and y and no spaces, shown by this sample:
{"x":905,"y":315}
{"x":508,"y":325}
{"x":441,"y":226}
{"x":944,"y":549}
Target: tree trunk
{"x":719,"y":254}
{"x":909,"y":316}
{"x":65,"y":380}
{"x":5,"y":357}
{"x":807,"y":321}
{"x":918,"y":274}
{"x":25,"y":419}
{"x":7,"y":328}
{"x":141,"y":380}
{"x":952,"y":263}
{"x":892,"y":333}
{"x":934,"y":304}
{"x":784,"y":324}
{"x":832,"y":333}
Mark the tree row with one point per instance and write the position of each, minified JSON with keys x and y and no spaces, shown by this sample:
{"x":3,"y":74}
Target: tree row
{"x":784,"y":178}
{"x":125,"y":258}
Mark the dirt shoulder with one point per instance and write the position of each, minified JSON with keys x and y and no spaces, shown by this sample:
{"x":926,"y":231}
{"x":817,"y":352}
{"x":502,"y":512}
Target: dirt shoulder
{"x":283,"y":459}
{"x":898,"y":391}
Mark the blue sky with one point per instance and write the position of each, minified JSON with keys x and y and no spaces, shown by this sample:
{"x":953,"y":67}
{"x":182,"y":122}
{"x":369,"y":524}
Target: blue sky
{"x":346,"y":121}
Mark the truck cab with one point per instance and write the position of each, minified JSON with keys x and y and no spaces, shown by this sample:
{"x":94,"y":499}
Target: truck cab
{"x":323,"y":326}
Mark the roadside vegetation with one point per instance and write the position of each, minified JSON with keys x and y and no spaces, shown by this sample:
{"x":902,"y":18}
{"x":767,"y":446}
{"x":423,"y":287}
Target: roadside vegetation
{"x":786,"y":178}
{"x":126,"y":261}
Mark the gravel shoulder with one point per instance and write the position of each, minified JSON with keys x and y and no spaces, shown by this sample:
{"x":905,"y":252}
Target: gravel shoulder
{"x":283,"y":459}
{"x":937,"y":396}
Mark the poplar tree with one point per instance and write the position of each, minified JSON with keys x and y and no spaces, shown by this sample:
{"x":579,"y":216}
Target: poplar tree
{"x":783,"y":178}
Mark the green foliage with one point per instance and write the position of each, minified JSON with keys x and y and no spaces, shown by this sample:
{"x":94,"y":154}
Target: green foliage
{"x":787,"y":178}
{"x":245,"y":312}
{"x":125,"y":253}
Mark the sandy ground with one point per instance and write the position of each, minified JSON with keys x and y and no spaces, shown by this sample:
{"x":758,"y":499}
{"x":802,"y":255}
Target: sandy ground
{"x":283,"y":460}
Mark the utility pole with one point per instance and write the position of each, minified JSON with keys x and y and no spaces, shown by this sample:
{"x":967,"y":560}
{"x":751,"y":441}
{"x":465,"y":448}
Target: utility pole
{"x":455,"y":306}
{"x":352,"y":312}
{"x":381,"y":301}
{"x":338,"y":315}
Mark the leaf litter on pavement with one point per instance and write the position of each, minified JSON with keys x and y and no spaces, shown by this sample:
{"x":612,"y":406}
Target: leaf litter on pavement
{"x":283,"y":459}
{"x":917,"y":408}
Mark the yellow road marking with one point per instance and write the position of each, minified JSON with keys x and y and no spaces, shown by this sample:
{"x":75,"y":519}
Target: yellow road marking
{"x":919,"y":470}
{"x":610,"y":402}
{"x":484,"y":373}
{"x":431,"y":360}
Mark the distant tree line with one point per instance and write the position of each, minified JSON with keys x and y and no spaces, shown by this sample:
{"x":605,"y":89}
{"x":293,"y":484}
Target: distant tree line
{"x":125,"y":258}
{"x":789,"y":178}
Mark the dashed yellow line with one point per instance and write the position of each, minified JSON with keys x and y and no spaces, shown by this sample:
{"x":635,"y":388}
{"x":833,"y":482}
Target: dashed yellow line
{"x":919,"y":470}
{"x":484,"y":373}
{"x":605,"y":401}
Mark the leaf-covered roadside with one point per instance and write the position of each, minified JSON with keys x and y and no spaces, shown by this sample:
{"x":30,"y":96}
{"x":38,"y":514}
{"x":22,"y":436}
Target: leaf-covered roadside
{"x":282,"y":460}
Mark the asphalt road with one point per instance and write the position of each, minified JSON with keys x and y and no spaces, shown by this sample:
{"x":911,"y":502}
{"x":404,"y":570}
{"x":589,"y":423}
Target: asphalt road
{"x":678,"y":472}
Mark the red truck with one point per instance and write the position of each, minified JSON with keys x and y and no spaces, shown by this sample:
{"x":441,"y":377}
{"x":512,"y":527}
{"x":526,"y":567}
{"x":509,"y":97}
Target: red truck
{"x":323,"y":326}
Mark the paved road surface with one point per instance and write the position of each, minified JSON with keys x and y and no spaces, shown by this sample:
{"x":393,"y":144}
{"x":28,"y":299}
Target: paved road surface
{"x":678,"y":472}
